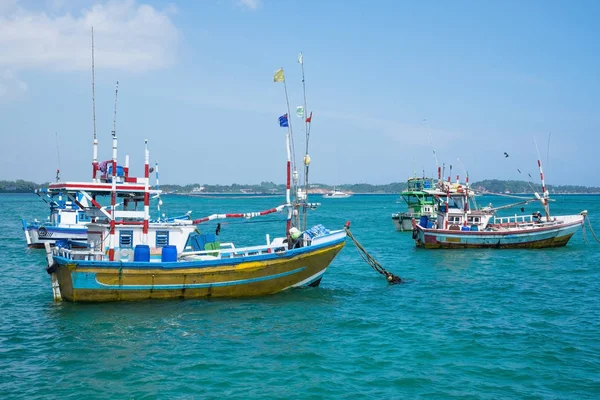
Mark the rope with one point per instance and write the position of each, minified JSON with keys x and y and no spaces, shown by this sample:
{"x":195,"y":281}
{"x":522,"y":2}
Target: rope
{"x":591,"y":229}
{"x":391,"y":278}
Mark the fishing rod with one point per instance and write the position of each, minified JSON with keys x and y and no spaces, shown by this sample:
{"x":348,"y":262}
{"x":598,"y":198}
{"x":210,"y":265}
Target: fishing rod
{"x":58,"y":156}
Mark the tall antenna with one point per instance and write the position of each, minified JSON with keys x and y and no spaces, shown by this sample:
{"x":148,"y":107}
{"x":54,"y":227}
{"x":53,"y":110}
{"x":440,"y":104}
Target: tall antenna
{"x":95,"y":159}
{"x":114,"y":131}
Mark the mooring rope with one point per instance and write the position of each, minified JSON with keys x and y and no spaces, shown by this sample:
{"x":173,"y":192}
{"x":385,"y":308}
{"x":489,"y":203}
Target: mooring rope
{"x":585,"y":216}
{"x":391,"y":278}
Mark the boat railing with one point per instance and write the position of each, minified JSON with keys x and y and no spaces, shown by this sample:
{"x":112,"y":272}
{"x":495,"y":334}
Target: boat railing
{"x":228,"y":250}
{"x":513,"y":219}
{"x":87,"y":255}
{"x":521,"y":220}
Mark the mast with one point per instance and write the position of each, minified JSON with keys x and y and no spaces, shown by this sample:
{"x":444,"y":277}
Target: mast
{"x":157,"y":187}
{"x":95,"y":157}
{"x":113,"y":200}
{"x":146,"y":193}
{"x":289,"y":141}
{"x":307,"y":121}
{"x":113,"y":196}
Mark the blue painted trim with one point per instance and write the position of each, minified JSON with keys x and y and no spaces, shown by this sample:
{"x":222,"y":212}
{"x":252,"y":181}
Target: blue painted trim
{"x":81,"y":280}
{"x":53,"y":229}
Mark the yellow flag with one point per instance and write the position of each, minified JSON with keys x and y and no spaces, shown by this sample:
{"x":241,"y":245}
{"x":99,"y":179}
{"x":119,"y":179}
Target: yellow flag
{"x":278,"y":77}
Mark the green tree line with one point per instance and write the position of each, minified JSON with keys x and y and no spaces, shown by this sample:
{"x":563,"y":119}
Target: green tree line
{"x":488,"y":185}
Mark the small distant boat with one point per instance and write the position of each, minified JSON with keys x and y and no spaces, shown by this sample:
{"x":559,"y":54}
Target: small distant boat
{"x":337,"y":194}
{"x":461,"y":224}
{"x":419,"y":202}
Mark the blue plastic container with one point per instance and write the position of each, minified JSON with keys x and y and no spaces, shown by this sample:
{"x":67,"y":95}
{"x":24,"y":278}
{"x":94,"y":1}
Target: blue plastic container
{"x":169,"y":254}
{"x":474,"y":228}
{"x":141,"y":253}
{"x":465,"y":228}
{"x":423,"y":221}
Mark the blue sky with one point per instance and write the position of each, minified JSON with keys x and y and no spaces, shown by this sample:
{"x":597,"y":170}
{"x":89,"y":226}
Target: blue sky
{"x":387,"y":81}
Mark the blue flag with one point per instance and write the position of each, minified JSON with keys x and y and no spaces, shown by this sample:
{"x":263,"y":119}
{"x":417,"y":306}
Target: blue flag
{"x":283,"y":121}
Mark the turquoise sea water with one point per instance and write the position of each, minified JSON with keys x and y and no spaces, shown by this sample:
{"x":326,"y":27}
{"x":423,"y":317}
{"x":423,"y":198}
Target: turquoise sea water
{"x":474,"y":324}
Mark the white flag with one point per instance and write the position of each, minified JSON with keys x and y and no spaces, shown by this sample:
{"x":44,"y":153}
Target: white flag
{"x":300,"y":111}
{"x":300,"y":58}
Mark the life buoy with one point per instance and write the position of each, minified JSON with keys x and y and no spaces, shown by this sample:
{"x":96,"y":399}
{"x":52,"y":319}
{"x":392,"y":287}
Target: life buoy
{"x":42,"y":231}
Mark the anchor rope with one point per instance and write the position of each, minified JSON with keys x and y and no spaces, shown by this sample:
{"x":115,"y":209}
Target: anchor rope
{"x":584,"y":234}
{"x":391,"y":278}
{"x":591,"y":229}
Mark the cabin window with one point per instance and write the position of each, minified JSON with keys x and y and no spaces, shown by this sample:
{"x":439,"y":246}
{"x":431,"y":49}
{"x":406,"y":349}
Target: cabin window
{"x":474,"y":220}
{"x":126,"y":239}
{"x":454,"y":220}
{"x":162,"y":238}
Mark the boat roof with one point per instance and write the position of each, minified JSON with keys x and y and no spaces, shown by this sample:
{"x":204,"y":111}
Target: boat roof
{"x":101,"y":188}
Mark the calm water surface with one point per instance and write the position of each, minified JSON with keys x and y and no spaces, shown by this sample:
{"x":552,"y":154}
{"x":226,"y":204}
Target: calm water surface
{"x":474,"y":324}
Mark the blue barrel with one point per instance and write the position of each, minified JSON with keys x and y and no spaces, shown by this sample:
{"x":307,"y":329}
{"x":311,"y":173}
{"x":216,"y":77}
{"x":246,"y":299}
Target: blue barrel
{"x":141,"y":253}
{"x":465,"y":228}
{"x":423,"y":221}
{"x":169,"y":253}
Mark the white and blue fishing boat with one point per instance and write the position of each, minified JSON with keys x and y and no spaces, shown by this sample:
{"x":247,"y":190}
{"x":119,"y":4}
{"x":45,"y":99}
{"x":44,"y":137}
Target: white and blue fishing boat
{"x":67,"y":220}
{"x":129,"y":257}
{"x":461,"y":224}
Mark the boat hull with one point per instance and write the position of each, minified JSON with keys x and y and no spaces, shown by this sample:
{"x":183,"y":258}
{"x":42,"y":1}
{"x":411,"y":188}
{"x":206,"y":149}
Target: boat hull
{"x":402,"y":223}
{"x":36,"y":236}
{"x":99,"y":281}
{"x":543,"y":237}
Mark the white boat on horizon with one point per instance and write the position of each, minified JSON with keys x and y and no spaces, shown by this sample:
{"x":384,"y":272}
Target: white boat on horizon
{"x":337,"y":194}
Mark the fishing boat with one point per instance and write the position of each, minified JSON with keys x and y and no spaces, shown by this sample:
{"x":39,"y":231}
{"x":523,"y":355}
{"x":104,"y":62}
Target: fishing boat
{"x":67,"y":221}
{"x":461,"y":224}
{"x":419,"y":202}
{"x":337,"y":194}
{"x":128,"y":257}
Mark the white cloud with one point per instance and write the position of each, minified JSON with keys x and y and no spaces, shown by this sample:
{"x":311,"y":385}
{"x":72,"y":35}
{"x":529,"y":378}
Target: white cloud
{"x":11,"y":87}
{"x":127,"y":35}
{"x":251,"y":4}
